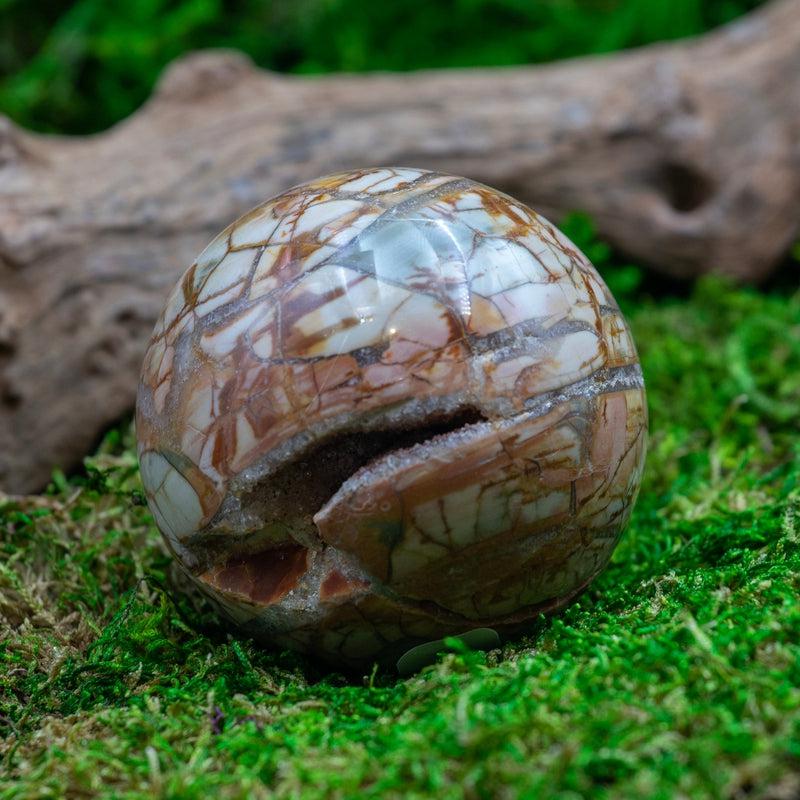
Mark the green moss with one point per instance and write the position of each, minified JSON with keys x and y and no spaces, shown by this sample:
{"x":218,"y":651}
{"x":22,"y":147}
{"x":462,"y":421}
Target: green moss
{"x":677,"y":673}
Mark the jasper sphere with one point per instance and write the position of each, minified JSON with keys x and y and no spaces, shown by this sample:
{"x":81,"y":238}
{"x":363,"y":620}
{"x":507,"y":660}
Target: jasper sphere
{"x":388,"y":406}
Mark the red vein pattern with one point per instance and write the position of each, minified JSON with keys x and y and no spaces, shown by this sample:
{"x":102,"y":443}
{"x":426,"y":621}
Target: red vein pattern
{"x":388,"y":406}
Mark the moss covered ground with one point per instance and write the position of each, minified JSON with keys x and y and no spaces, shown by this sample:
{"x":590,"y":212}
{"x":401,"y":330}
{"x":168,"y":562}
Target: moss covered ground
{"x":676,"y":674}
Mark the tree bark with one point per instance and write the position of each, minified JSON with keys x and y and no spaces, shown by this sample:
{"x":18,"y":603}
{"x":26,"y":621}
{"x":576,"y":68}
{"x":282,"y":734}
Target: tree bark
{"x":687,"y":155}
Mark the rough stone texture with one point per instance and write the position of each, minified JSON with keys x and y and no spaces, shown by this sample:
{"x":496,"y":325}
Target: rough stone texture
{"x":387,"y":406}
{"x":686,"y":154}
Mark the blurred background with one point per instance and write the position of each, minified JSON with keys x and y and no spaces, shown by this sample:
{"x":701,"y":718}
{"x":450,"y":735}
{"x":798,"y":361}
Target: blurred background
{"x":78,"y":67}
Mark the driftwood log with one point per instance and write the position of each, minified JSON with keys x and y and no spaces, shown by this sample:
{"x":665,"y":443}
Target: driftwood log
{"x":687,"y":155}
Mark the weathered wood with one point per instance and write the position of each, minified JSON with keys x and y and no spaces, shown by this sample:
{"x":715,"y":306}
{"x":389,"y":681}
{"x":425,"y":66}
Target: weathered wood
{"x":687,"y":155}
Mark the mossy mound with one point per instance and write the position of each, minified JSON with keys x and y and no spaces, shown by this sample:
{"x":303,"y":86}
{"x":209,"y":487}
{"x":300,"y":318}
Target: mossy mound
{"x":677,"y":674}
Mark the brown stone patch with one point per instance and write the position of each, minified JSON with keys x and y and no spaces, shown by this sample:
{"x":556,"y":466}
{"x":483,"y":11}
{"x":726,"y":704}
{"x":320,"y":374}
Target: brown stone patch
{"x":336,"y":586}
{"x":261,"y":578}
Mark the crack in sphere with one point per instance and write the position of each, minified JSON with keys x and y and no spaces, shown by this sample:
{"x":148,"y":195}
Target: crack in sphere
{"x":388,"y":406}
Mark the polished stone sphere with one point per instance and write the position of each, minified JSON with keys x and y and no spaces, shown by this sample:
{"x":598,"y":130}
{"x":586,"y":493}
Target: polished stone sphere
{"x":388,"y":406}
